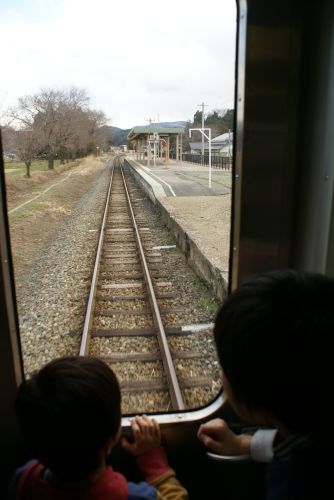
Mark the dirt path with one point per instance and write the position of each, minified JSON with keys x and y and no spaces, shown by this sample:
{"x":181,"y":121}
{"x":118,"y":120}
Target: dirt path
{"x":20,"y":188}
{"x":18,"y":207}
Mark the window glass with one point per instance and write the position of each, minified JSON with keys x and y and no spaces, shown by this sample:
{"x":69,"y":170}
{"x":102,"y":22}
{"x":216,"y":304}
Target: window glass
{"x":86,"y":87}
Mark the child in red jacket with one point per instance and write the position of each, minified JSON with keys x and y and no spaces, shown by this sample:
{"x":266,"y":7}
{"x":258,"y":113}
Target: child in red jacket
{"x":70,"y":415}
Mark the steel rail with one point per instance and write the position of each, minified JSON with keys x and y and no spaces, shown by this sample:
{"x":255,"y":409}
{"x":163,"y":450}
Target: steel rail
{"x":172,"y":381}
{"x":91,"y":299}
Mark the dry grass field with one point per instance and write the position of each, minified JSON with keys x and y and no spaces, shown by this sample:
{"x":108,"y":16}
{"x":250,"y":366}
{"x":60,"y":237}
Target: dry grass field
{"x":39,"y":204}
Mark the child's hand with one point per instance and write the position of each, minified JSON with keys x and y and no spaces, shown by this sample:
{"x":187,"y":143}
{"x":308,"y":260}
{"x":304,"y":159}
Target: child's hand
{"x":217,"y":436}
{"x":146,"y":433}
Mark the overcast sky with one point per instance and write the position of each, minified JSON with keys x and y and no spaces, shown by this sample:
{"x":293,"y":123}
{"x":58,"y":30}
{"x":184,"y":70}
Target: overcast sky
{"x":137,"y":60}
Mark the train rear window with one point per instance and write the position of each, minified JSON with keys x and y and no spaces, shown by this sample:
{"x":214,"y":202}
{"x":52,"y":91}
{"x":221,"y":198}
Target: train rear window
{"x":117,"y":131}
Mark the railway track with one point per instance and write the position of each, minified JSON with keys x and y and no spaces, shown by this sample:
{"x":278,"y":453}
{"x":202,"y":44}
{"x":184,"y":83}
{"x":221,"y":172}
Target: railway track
{"x":130,"y":301}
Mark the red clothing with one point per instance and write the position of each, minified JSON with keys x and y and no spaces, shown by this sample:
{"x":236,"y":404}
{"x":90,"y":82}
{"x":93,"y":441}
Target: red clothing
{"x":30,"y":483}
{"x":33,"y":486}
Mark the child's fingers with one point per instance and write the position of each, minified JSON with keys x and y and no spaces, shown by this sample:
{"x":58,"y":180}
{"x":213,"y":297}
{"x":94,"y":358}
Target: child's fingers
{"x":136,"y":427}
{"x":150,"y":426}
{"x":140,"y":422}
{"x":145,"y":425}
{"x":142,"y":429}
{"x":211,"y":443}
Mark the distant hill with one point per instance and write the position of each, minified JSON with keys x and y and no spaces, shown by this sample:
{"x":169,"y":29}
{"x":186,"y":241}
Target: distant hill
{"x":219,"y":121}
{"x":171,"y":124}
{"x":114,"y":136}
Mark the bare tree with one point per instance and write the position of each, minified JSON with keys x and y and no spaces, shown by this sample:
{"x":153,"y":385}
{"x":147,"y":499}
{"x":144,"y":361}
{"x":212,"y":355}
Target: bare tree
{"x":96,"y":120}
{"x":26,"y":147}
{"x":71,"y":112}
{"x":23,"y":143}
{"x":60,"y":122}
{"x":8,"y":138}
{"x":47,"y":122}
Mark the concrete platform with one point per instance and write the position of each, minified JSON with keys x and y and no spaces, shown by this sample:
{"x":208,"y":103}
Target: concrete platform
{"x":188,"y":179}
{"x":198,"y":217}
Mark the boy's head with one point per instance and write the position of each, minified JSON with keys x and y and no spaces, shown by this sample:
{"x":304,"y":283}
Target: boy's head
{"x":273,"y":337}
{"x":67,"y":412}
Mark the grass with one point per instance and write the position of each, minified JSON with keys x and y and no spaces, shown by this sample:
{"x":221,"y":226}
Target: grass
{"x":205,"y":300}
{"x":16,"y":168}
{"x":30,"y":209}
{"x":208,"y":303}
{"x":21,"y":188}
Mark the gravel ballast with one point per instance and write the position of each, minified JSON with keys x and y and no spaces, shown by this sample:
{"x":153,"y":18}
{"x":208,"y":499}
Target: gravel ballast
{"x":53,"y":276}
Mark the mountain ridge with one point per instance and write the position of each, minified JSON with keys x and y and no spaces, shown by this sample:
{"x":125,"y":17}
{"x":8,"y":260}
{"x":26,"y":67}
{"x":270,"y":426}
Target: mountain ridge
{"x":116,"y":136}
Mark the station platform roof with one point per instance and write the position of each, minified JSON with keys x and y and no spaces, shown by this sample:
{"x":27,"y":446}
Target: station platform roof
{"x":138,"y":132}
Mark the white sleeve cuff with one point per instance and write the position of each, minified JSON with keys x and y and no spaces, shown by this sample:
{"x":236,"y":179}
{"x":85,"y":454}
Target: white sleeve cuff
{"x":261,"y":448}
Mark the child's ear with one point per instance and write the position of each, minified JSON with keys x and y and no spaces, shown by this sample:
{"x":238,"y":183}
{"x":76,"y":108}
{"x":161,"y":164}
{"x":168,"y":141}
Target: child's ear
{"x":112,"y":441}
{"x":106,"y":450}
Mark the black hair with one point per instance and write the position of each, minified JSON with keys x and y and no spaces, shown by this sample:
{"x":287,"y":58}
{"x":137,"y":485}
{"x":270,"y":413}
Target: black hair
{"x":273,"y":337}
{"x":67,"y":412}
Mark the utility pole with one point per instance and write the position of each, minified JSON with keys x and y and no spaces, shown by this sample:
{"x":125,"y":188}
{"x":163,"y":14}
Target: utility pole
{"x":229,"y":143}
{"x":208,"y":137}
{"x":148,"y":143}
{"x":203,"y":105}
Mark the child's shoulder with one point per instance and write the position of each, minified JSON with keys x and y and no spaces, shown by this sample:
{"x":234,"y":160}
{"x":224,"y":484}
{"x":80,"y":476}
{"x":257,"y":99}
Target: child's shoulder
{"x":19,"y":475}
{"x":112,"y":482}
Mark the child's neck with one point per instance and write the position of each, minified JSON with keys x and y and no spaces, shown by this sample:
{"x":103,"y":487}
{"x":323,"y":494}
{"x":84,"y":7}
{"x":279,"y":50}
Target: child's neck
{"x":80,"y":484}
